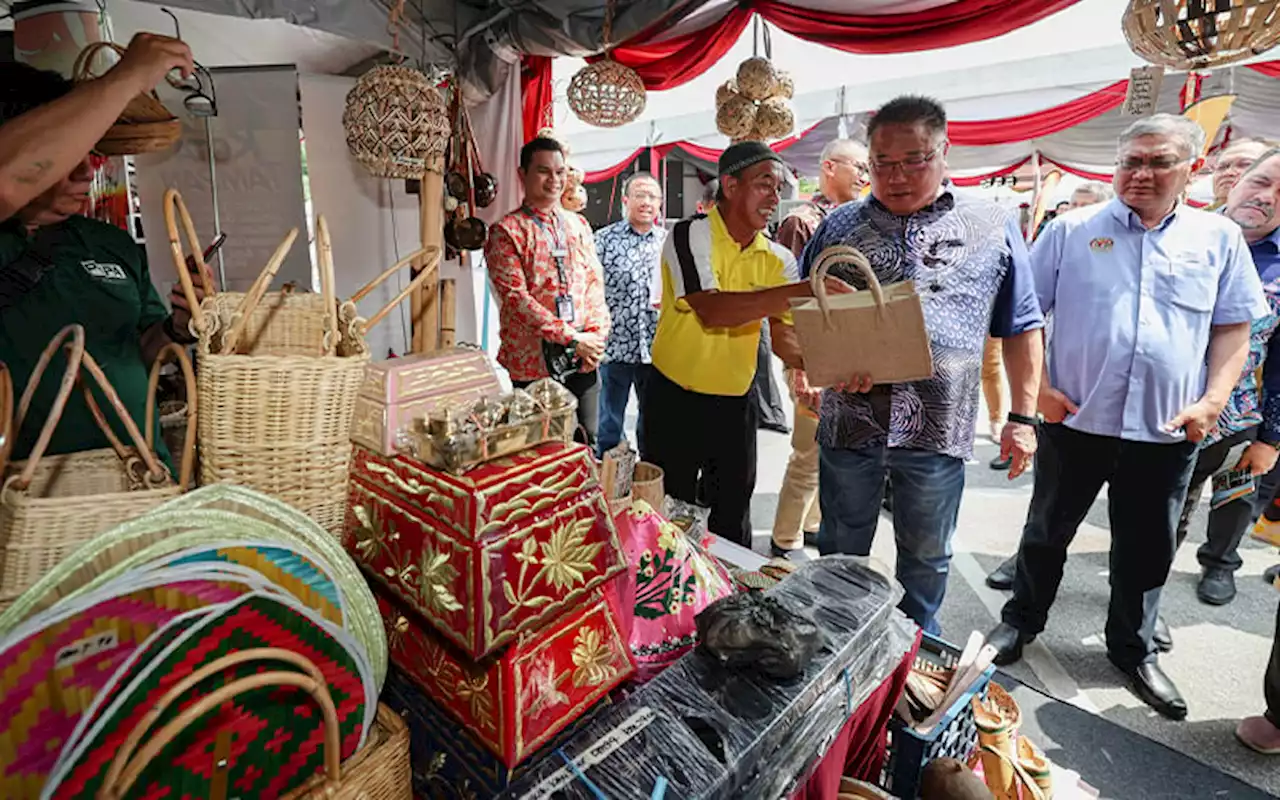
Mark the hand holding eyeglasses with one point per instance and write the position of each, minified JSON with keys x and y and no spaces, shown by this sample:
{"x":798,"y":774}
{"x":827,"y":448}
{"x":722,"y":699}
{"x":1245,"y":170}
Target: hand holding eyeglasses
{"x":149,"y":58}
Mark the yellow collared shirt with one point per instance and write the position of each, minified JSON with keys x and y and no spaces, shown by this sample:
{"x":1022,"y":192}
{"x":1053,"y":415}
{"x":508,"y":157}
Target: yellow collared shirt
{"x":719,"y":361}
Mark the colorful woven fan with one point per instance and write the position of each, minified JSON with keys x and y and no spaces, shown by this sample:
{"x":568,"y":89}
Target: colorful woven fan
{"x":53,"y":667}
{"x":213,"y":514}
{"x":271,"y":737}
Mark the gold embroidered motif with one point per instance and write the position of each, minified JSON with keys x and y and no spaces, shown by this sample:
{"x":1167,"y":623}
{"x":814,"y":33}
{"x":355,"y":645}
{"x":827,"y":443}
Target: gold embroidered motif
{"x":542,"y":692}
{"x":566,"y":559}
{"x":434,"y":577}
{"x":410,"y":486}
{"x":370,"y":537}
{"x":473,"y":690}
{"x":592,"y":657}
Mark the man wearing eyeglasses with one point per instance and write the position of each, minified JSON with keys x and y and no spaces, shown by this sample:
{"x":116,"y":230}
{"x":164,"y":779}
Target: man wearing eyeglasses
{"x":841,"y":178}
{"x":970,"y":267}
{"x":1231,"y":163}
{"x":1153,"y":302}
{"x":58,"y":267}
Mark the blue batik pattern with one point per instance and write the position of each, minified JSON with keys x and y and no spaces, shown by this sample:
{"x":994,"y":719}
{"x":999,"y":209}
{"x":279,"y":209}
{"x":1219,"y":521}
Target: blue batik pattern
{"x":632,"y":263}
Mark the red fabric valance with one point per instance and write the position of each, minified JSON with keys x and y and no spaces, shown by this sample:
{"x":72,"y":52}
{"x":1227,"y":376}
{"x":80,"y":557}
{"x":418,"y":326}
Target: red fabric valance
{"x":537,"y":100}
{"x":670,"y":63}
{"x":1269,"y":68}
{"x":976,"y":180}
{"x":1038,"y":123}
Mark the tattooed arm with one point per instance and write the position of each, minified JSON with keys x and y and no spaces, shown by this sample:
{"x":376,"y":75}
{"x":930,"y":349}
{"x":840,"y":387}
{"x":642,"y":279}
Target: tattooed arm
{"x":41,"y":147}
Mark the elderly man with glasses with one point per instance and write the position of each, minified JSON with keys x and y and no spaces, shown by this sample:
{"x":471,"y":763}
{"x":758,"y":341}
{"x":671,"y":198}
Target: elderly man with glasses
{"x":1234,"y":160}
{"x":58,"y":267}
{"x":1153,"y":303}
{"x":970,"y":266}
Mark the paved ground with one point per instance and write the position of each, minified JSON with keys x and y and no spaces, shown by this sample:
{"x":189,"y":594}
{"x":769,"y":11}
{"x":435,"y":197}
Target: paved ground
{"x":1219,"y":653}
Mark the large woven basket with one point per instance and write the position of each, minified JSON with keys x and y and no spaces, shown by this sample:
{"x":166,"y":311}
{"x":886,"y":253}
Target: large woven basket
{"x":278,"y":375}
{"x":1190,"y":35}
{"x":50,"y":505}
{"x":396,"y":122}
{"x":145,"y":125}
{"x":378,"y":771}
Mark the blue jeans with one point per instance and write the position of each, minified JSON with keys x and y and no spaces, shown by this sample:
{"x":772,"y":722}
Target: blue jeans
{"x":926,"y":501}
{"x":617,"y":378}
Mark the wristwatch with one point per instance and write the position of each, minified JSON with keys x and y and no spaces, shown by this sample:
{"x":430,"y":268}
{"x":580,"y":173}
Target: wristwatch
{"x":1022,"y":419}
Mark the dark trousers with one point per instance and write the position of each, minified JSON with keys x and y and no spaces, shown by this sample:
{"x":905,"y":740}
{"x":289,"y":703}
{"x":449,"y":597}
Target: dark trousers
{"x":706,"y":445}
{"x":616,"y":380}
{"x":1228,"y":523}
{"x":586,"y":387}
{"x":768,"y":398}
{"x":1148,"y":483}
{"x":1271,"y":681}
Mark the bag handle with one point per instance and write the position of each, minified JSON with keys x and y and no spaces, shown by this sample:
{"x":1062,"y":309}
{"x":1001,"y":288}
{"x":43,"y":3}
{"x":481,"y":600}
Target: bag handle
{"x":6,"y":416}
{"x":1031,"y":790}
{"x":176,"y":691}
{"x":80,"y":70}
{"x":179,"y":354}
{"x":324,"y":257}
{"x":254,"y":296}
{"x":431,"y":253}
{"x":173,"y":205}
{"x":842,"y":254}
{"x":157,"y":474}
{"x":122,"y":774}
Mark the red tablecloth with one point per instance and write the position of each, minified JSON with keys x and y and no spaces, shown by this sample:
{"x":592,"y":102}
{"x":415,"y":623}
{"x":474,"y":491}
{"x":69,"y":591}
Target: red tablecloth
{"x":859,"y":750}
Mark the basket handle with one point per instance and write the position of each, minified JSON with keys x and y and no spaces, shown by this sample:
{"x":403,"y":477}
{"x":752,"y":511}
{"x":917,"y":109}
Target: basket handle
{"x":254,"y":296}
{"x":123,"y":774}
{"x":156,"y":472}
{"x":181,"y":687}
{"x":842,"y":254}
{"x":74,"y":356}
{"x":173,"y":205}
{"x":80,"y":70}
{"x":432,"y":265}
{"x":324,"y":257}
{"x":6,"y":416}
{"x":179,"y":354}
{"x":1029,"y":785}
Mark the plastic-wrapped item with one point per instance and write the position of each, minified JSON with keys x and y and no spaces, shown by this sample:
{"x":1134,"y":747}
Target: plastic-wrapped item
{"x":758,"y":634}
{"x":713,"y":732}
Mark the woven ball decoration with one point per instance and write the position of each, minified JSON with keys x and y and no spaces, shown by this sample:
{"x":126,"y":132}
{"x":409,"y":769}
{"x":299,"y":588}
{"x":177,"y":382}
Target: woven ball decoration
{"x":606,"y":94}
{"x":774,"y":119}
{"x":726,"y":90}
{"x":757,"y":79}
{"x":786,"y":86}
{"x":396,"y":122}
{"x":1192,"y":34}
{"x":736,"y":117}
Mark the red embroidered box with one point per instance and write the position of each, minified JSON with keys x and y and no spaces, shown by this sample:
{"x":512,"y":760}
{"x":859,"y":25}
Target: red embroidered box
{"x":397,"y":391}
{"x":503,"y":549}
{"x":515,"y":701}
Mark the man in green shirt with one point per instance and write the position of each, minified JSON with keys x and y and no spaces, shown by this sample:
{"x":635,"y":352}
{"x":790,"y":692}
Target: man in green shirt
{"x":58,"y":267}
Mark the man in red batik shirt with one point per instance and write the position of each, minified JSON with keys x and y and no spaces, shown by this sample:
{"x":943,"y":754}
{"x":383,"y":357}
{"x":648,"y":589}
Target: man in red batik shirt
{"x":549,"y":286}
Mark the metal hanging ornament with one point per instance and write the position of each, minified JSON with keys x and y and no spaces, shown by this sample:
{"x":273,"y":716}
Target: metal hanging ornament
{"x":607,"y":94}
{"x":1195,"y":34}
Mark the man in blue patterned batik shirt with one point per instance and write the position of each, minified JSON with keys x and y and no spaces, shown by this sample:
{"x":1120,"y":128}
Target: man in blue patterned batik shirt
{"x":970,"y":266}
{"x":630,"y":251}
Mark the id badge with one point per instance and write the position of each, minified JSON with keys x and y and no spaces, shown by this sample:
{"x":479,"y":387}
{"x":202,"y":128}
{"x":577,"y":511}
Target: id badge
{"x":564,"y":308}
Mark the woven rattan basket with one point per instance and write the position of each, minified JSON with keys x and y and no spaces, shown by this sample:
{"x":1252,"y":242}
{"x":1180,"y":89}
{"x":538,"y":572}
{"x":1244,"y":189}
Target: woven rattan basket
{"x":145,"y":125}
{"x":378,"y":771}
{"x":50,"y":505}
{"x":606,"y":94}
{"x":278,"y":375}
{"x":1186,"y":34}
{"x":396,"y":122}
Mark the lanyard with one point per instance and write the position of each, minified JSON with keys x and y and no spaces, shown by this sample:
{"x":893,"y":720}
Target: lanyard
{"x":555,"y":238}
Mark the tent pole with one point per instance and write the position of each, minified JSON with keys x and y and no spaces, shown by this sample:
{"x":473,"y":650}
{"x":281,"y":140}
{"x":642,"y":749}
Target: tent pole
{"x":426,"y":298}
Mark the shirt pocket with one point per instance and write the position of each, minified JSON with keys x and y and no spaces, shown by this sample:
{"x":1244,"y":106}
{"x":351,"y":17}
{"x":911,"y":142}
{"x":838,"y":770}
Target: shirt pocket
{"x":1188,"y":282}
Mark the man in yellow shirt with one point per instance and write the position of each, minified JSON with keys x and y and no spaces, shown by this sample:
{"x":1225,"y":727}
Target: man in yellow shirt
{"x":720,"y":278}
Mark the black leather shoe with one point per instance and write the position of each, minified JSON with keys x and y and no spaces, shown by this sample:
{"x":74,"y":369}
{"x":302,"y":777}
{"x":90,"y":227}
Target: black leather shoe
{"x":1217,"y":587}
{"x":1000,"y":464}
{"x":1008,"y":642}
{"x":1155,"y":689}
{"x":810,"y":538}
{"x":1002,"y":576}
{"x":1162,"y":637}
{"x":1272,"y":573}
{"x":797,"y":556}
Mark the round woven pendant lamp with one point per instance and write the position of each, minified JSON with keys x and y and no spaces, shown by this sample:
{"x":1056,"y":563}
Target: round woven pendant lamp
{"x":396,"y":122}
{"x":1198,"y":34}
{"x":606,"y":94}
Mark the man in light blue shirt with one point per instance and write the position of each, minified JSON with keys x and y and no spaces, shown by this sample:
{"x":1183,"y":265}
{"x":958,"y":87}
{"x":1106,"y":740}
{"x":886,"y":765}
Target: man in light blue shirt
{"x":1153,"y":302}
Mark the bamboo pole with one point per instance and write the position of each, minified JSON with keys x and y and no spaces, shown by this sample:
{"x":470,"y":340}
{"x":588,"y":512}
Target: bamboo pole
{"x":426,"y":298}
{"x":448,"y":312}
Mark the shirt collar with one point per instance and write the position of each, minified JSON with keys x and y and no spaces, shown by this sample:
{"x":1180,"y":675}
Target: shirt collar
{"x":1129,"y":218}
{"x":719,"y":229}
{"x":627,"y":226}
{"x":552,"y":216}
{"x":1270,"y":241}
{"x":944,"y":202}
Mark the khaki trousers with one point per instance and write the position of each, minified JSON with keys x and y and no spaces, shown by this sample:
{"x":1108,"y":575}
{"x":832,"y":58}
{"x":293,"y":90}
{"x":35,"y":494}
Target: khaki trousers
{"x":798,"y":498}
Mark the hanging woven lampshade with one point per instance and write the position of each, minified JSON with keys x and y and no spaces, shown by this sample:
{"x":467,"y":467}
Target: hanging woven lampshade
{"x":606,"y":94}
{"x":1193,"y":34}
{"x":396,"y":122}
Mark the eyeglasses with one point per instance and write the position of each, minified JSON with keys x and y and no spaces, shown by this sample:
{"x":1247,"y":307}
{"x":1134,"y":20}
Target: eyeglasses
{"x":198,"y":102}
{"x":1157,"y":164}
{"x":859,"y":167}
{"x":1239,"y":164}
{"x":909,"y":165}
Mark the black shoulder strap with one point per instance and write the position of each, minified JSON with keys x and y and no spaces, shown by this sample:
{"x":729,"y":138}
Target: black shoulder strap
{"x":684,"y":254}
